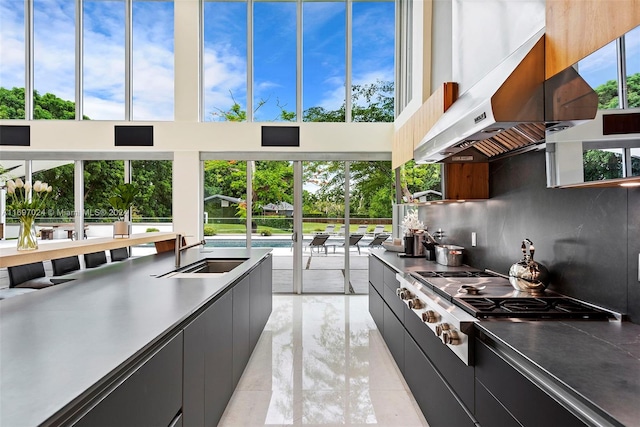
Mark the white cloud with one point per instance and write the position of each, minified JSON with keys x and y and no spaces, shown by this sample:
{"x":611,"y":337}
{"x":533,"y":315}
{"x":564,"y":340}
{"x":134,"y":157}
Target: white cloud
{"x":225,"y":74}
{"x":11,"y":46}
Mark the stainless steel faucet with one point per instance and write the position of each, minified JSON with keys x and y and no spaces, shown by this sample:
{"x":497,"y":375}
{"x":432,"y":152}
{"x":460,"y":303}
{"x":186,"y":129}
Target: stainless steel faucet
{"x":179,"y":248}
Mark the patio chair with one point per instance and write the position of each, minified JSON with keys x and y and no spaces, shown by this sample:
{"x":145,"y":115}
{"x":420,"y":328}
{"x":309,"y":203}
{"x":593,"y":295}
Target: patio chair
{"x":354,"y":239}
{"x":318,"y":242}
{"x":378,"y":230}
{"x":362,"y":229}
{"x":377,"y":241}
{"x":330,"y":229}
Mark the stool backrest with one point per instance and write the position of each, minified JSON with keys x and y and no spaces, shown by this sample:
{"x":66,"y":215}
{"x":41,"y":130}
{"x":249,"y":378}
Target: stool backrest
{"x":95,"y":259}
{"x":65,"y":265}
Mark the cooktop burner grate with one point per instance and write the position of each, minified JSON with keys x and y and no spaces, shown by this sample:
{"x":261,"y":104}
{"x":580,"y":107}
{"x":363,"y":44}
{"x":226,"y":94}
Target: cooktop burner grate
{"x":532,"y":308}
{"x":519,"y":305}
{"x":433,"y":274}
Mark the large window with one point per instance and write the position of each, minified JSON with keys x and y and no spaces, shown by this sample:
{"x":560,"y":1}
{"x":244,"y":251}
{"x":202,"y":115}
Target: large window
{"x":12,"y":71}
{"x":285,"y":58}
{"x":600,"y":70}
{"x":152,"y":80}
{"x":274,"y":61}
{"x":104,"y":59}
{"x":632,"y":45}
{"x":54,"y":59}
{"x":324,"y":61}
{"x":373,"y":61}
{"x":225,"y":61}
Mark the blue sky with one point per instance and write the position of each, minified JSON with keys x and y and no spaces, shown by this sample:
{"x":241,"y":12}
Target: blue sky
{"x":225,"y":47}
{"x":600,"y":66}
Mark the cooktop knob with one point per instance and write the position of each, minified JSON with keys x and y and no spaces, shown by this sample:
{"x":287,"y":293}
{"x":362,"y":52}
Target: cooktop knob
{"x":440,"y":328}
{"x":450,"y":337}
{"x":416,"y":304}
{"x":430,"y":316}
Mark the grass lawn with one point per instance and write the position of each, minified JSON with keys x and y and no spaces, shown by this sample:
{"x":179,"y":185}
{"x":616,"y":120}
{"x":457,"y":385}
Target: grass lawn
{"x":307,"y":228}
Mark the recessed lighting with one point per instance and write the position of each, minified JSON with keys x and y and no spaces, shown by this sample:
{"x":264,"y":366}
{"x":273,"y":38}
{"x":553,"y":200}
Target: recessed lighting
{"x":557,"y":128}
{"x":461,"y":201}
{"x":630,"y":184}
{"x":492,"y":130}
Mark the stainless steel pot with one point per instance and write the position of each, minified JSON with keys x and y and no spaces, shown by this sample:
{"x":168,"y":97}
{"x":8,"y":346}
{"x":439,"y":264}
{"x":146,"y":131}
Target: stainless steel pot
{"x":528,"y":275}
{"x":450,"y":255}
{"x":418,"y":238}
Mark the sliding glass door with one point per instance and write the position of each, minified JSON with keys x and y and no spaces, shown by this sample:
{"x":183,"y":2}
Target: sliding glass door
{"x":318,"y":217}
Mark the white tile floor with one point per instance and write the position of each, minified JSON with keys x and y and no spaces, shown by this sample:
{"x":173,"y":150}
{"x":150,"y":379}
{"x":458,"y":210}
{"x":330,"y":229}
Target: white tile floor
{"x":321,"y":362}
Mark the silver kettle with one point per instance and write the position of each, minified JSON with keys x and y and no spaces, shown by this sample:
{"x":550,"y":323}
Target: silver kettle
{"x":528,"y":275}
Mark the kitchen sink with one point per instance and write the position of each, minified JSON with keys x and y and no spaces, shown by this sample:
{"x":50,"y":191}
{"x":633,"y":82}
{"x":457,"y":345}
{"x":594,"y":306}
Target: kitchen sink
{"x":207,"y":268}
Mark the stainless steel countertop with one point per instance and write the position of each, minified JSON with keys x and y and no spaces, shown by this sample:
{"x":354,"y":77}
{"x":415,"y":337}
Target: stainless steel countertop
{"x":591,"y":363}
{"x":60,"y":342}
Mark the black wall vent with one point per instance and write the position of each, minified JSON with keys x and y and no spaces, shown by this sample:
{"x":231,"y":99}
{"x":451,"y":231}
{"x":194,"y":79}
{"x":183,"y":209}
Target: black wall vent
{"x":15,"y":135}
{"x":280,"y":136}
{"x":620,"y":124}
{"x":134,"y":136}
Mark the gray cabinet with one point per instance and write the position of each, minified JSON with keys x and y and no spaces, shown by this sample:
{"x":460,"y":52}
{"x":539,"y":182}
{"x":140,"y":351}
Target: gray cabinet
{"x":150,"y":395}
{"x":208,"y":356}
{"x":512,"y":396}
{"x":257,"y":310}
{"x":218,"y":344}
{"x":442,"y":385}
{"x":438,"y":403}
{"x":394,"y":336}
{"x":376,"y":268}
{"x":376,"y":308}
{"x":459,"y":376}
{"x":241,"y":326}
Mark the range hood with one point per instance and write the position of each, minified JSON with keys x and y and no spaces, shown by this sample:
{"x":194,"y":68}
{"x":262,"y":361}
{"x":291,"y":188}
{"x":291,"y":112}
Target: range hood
{"x":510,"y":108}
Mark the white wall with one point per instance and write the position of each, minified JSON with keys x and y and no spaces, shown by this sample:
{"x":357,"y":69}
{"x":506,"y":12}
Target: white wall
{"x":485,"y":32}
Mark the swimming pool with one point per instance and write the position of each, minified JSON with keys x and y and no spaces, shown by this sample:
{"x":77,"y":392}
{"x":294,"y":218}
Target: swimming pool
{"x":255,"y":243}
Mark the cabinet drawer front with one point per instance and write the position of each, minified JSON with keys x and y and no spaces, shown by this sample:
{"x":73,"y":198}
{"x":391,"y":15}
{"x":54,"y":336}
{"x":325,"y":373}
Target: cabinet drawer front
{"x":395,"y":303}
{"x":376,"y":307}
{"x":375,"y":273}
{"x":516,"y":393}
{"x":389,"y":278}
{"x":394,"y":336}
{"x":439,"y":405}
{"x":489,"y":412}
{"x":151,"y":396}
{"x":458,"y":375}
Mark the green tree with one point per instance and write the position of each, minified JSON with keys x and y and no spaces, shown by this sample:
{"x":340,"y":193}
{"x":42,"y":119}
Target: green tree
{"x":154,"y":180}
{"x":608,"y":93}
{"x":600,"y":164}
{"x":45,"y":107}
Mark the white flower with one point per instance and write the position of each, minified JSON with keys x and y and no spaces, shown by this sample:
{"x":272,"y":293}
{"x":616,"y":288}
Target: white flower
{"x":44,"y":186}
{"x":11,"y":190}
{"x":11,"y":185}
{"x":19,"y":183}
{"x":37,"y":186}
{"x":49,"y":189}
{"x":27,"y":186}
{"x":411,"y":222}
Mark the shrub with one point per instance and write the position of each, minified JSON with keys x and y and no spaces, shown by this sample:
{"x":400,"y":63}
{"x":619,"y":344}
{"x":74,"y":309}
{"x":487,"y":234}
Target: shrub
{"x":265,"y":233}
{"x":209,"y":230}
{"x":152,"y":230}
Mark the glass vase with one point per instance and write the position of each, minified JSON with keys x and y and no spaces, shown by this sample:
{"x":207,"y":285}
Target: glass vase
{"x":27,"y":240}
